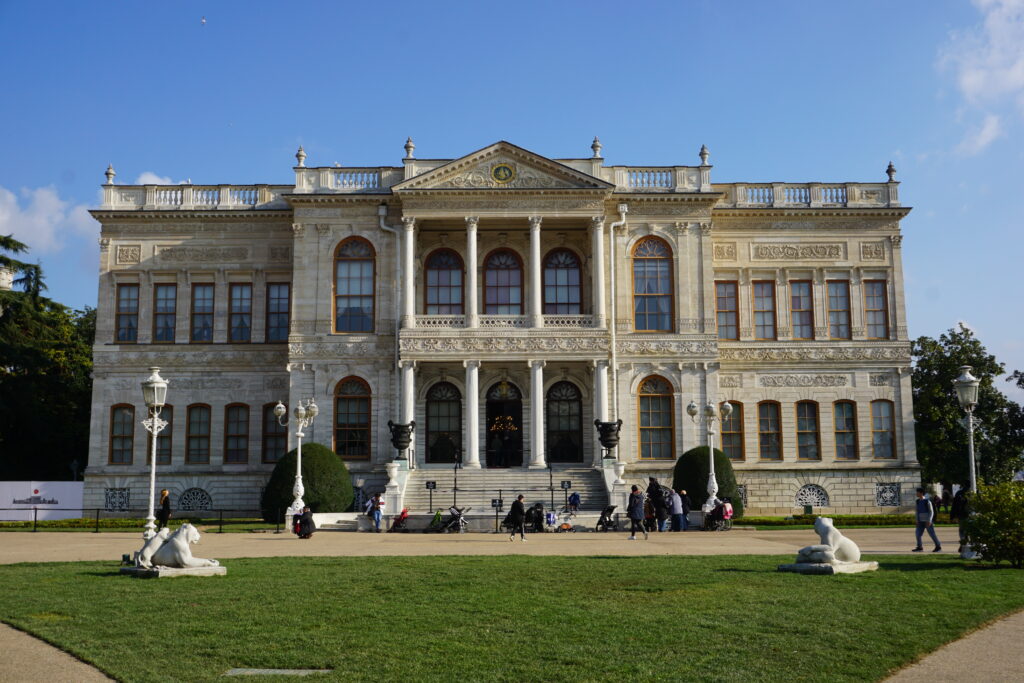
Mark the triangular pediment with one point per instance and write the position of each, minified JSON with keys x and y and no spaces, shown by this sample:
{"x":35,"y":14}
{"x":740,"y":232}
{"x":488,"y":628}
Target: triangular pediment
{"x":503,"y":166}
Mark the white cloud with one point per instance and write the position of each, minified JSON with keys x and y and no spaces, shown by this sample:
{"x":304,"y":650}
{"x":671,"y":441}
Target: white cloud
{"x":42,"y":220}
{"x":980,"y":137}
{"x":150,"y":178}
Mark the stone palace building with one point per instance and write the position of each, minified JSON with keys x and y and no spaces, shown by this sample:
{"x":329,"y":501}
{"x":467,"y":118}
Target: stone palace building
{"x":505,"y":300}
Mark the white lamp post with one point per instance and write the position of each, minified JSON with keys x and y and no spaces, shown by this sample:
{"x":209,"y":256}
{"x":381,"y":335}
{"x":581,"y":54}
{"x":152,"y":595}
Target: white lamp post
{"x":304,"y":414}
{"x":709,"y":417}
{"x":154,"y":392}
{"x":967,"y":393}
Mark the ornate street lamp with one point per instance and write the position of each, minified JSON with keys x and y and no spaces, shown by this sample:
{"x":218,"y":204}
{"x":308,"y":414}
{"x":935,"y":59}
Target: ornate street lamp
{"x":967,"y":393}
{"x":304,"y":414}
{"x":710,"y":414}
{"x":154,"y":393}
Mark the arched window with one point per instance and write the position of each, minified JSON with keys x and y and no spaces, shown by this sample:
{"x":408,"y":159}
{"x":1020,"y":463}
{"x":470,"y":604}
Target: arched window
{"x":122,"y":434}
{"x":163,"y":440}
{"x":353,"y":286}
{"x":883,"y":432}
{"x":197,"y":445}
{"x":808,"y":439}
{"x":444,"y":283}
{"x":564,"y":423}
{"x":352,"y":419}
{"x":503,"y":283}
{"x":652,"y":285}
{"x":275,"y":435}
{"x":769,"y":430}
{"x":845,"y":414}
{"x":732,"y":431}
{"x":811,"y":494}
{"x":562,"y":283}
{"x":236,"y":434}
{"x":444,"y":422}
{"x":656,"y":419}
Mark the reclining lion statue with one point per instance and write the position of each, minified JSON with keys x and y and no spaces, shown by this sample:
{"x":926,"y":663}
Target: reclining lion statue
{"x":834,"y":547}
{"x":173,"y":550}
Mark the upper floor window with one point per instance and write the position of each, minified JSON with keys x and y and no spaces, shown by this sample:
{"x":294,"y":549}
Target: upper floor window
{"x":883,"y":431}
{"x":503,"y":284}
{"x":352,"y":419}
{"x":764,"y":309}
{"x":278,"y":311}
{"x":808,"y":439}
{"x":353,"y":286}
{"x":127,"y":316}
{"x":197,"y":428}
{"x":240,"y":325}
{"x":165,"y":309}
{"x":122,"y":434}
{"x":839,"y":309}
{"x":732,"y":431}
{"x":652,"y":285}
{"x":846,"y":430}
{"x":444,"y":283}
{"x":163,"y":440}
{"x":236,"y":433}
{"x":202,"y":313}
{"x":769,"y":430}
{"x":876,"y":309}
{"x":275,"y":435}
{"x":727,"y":310}
{"x":562,"y":283}
{"x":801,"y":309}
{"x":657,"y":419}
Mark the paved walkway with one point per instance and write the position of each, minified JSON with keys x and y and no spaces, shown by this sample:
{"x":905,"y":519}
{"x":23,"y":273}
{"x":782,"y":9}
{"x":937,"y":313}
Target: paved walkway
{"x":25,"y":659}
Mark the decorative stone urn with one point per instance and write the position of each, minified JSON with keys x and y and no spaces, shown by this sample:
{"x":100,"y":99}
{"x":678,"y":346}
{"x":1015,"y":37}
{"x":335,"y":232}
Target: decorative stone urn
{"x":608,"y":433}
{"x":401,"y":436}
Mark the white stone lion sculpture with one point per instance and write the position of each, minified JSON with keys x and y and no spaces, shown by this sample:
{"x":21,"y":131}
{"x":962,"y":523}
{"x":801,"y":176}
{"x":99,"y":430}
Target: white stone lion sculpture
{"x":173,"y":550}
{"x":834,"y":547}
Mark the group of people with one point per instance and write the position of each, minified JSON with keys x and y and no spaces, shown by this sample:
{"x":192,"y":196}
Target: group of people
{"x":655,"y":509}
{"x":927,"y":508}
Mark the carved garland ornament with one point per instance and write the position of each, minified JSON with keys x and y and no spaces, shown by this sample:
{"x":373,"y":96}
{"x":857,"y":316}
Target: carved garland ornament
{"x":803,"y":380}
{"x":726,"y":251}
{"x":202,"y":254}
{"x":503,"y":344}
{"x":855,"y":354}
{"x":880,"y":379}
{"x":872,"y":251}
{"x":779,"y":252}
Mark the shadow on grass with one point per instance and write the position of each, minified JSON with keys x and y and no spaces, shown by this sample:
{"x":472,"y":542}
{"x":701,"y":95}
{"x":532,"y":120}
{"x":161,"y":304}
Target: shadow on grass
{"x":114,"y":572}
{"x":747,"y":571}
{"x":914,"y":567}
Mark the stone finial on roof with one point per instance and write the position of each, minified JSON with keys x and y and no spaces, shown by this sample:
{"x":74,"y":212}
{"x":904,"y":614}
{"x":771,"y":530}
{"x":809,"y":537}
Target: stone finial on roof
{"x":410,"y":147}
{"x":110,"y":174}
{"x":596,"y":146}
{"x":704,"y":154}
{"x":891,"y":172}
{"x":300,"y":156}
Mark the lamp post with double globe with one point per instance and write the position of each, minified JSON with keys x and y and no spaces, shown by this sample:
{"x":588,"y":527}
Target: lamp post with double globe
{"x":154,"y":393}
{"x":304,"y":414}
{"x":967,"y":393}
{"x":710,"y":414}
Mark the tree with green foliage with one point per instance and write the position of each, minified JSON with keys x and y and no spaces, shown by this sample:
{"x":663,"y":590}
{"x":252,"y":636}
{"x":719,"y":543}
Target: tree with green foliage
{"x":324,"y":476}
{"x":29,"y":276}
{"x":995,"y":529}
{"x":691,"y":474}
{"x":940,"y":427}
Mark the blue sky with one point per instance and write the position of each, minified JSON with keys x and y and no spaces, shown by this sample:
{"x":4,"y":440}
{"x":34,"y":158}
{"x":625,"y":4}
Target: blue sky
{"x":794,"y":91}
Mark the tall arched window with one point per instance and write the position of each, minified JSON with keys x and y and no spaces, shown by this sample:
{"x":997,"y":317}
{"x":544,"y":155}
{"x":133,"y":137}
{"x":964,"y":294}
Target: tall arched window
{"x":444,"y":422}
{"x":769,"y":430}
{"x":444,"y":283}
{"x":883,"y":431}
{"x":236,"y":433}
{"x":652,"y":285}
{"x":122,"y":434}
{"x":732,"y":431}
{"x":657,"y":424}
{"x":353,"y":286}
{"x":197,"y":445}
{"x":352,"y":419}
{"x":564,"y":423}
{"x":503,"y":283}
{"x":808,"y":439}
{"x":845,"y":414}
{"x":562,"y":283}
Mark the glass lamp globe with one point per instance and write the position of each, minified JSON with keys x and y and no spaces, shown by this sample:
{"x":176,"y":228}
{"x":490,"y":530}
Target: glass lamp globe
{"x":967,"y":388}
{"x":279,"y":410}
{"x":312,"y":410}
{"x":692,"y":409}
{"x":300,"y":412}
{"x":154,"y":389}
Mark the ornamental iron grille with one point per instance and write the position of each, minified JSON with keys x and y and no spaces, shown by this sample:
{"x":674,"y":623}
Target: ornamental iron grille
{"x":812,"y":494}
{"x":562,"y":283}
{"x":444,"y":283}
{"x":195,"y":499}
{"x":742,"y":488}
{"x":116,"y":500}
{"x":564,"y":422}
{"x":887,"y":495}
{"x":444,"y":423}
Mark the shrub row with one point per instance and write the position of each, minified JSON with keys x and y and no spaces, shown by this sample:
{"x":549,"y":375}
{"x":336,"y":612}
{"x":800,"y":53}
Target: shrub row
{"x":842,"y":520}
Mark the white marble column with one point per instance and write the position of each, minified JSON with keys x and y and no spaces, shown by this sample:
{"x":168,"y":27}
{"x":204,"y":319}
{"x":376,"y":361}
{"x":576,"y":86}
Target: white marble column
{"x":408,"y":274}
{"x":472,"y":310}
{"x":409,"y":400}
{"x":471,"y":439}
{"x":537,"y":414}
{"x":536,"y":308}
{"x":601,"y":390}
{"x":597,"y":242}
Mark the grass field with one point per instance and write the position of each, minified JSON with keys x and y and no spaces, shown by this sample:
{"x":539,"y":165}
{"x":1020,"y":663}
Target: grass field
{"x":726,"y":618}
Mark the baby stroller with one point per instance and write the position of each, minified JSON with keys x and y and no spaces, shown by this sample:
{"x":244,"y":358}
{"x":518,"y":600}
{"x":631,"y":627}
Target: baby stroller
{"x":399,"y":523}
{"x":607,"y":522}
{"x":534,"y":520}
{"x":435,"y":524}
{"x":720,"y":517}
{"x":456,"y":520}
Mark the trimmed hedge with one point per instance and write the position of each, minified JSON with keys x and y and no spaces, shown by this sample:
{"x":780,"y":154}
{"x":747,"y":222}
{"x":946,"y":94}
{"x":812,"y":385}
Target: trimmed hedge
{"x":691,"y":474}
{"x":995,"y":527}
{"x":324,"y":476}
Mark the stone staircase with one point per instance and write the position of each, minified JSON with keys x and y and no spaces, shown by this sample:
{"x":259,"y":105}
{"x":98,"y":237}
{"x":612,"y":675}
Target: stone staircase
{"x":478,"y":487}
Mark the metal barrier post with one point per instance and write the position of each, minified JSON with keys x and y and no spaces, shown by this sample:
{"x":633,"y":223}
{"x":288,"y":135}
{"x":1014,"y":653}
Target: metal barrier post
{"x":97,"y":529}
{"x":35,"y":517}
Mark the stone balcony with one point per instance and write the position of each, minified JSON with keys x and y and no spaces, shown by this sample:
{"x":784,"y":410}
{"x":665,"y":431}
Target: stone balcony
{"x":187,"y":197}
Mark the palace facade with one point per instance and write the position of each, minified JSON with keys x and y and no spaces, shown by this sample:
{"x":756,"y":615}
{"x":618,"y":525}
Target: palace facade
{"x":504,"y":301}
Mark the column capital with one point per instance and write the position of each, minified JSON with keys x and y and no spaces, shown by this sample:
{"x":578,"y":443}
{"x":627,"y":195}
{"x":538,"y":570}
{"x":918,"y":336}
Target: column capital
{"x":536,"y":363}
{"x":472,"y":221}
{"x":682,"y":228}
{"x":705,"y":229}
{"x":597,"y":222}
{"x":407,"y":364}
{"x":598,"y":362}
{"x":535,"y":222}
{"x":471,"y":364}
{"x":409,"y":221}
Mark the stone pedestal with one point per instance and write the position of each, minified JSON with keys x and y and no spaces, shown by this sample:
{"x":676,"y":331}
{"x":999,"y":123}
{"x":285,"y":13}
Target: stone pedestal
{"x":171,"y":572}
{"x":821,"y":568}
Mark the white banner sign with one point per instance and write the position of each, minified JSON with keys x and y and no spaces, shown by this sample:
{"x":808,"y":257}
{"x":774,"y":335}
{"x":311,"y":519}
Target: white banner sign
{"x":52,"y":499}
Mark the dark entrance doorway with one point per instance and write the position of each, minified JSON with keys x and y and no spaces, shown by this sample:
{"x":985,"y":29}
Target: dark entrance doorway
{"x":564,"y":422}
{"x":504,"y":426}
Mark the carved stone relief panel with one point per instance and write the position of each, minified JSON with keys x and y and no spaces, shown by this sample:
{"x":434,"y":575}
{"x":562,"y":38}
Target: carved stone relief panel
{"x":730,"y":381}
{"x":129,"y":254}
{"x":803,"y":380}
{"x":880,"y":379}
{"x":201,"y":254}
{"x":872,"y":251}
{"x":725,"y":251}
{"x":821,"y":251}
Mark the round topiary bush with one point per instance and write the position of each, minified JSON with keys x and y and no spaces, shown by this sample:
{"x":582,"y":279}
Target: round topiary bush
{"x":691,"y":475}
{"x":995,"y":527}
{"x":324,"y":476}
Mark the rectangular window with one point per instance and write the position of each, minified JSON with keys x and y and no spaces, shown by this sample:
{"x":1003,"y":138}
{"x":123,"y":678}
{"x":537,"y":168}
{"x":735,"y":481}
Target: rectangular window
{"x":876,"y":309}
{"x":236,"y":434}
{"x":801,"y":308}
{"x":127,"y":316}
{"x":732,"y":432}
{"x":764,"y":310}
{"x":197,"y":448}
{"x":163,"y":441}
{"x":275,"y":435}
{"x":122,"y":434}
{"x":727,"y":310}
{"x":839,"y":309}
{"x":165,"y":307}
{"x":240,"y":325}
{"x":807,"y":436}
{"x":846,"y":430}
{"x":769,"y":431}
{"x":883,"y":433}
{"x":202,"y":313}
{"x":278,"y":311}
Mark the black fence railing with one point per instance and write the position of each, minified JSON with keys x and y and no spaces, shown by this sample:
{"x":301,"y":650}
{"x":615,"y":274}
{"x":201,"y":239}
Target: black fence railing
{"x":555,"y":497}
{"x":130,"y":518}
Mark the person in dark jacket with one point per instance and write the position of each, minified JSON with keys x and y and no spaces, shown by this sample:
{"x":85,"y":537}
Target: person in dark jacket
{"x":306,"y":524}
{"x":164,"y":515}
{"x":686,"y":509}
{"x":925,"y":521}
{"x":635,"y":512}
{"x":518,"y":516}
{"x":958,"y":511}
{"x":656,"y":495}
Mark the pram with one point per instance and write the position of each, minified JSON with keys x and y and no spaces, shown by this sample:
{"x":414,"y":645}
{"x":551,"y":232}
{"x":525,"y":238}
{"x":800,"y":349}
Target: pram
{"x":399,"y":523}
{"x":435,"y":524}
{"x":720,"y":517}
{"x":534,"y":520}
{"x":607,"y":522}
{"x":456,"y":520}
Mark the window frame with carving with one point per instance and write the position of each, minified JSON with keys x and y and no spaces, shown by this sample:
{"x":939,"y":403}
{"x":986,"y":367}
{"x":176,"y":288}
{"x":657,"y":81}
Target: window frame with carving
{"x":240,"y":313}
{"x":891,"y":431}
{"x":121,"y":442}
{"x":807,"y":437}
{"x":761,"y":432}
{"x":165,"y":309}
{"x":124,"y":331}
{"x":494,"y":289}
{"x":834,"y":313}
{"x":758,"y":300}
{"x":191,"y":448}
{"x":360,"y":277}
{"x":807,"y":309}
{"x":726,"y":429}
{"x":644,"y":408}
{"x":441,"y":412}
{"x":272,"y":327}
{"x":838,"y":421}
{"x":571,"y":293}
{"x":734,"y":311}
{"x":236,"y":435}
{"x":350,"y":427}
{"x":880,"y":309}
{"x":665,"y":282}
{"x":437,"y":289}
{"x":194,"y":316}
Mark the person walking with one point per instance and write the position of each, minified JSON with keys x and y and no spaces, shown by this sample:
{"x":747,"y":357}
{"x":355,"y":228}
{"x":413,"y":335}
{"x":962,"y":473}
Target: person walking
{"x":375,"y":509}
{"x":925,"y":520}
{"x":517,"y":515}
{"x":686,"y":509}
{"x":164,"y":515}
{"x":635,"y":512}
{"x":958,"y":512}
{"x":656,"y":495}
{"x":675,"y":506}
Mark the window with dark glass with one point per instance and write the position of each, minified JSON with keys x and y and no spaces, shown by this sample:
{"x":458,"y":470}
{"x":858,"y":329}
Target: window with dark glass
{"x":122,"y":434}
{"x":562,"y":283}
{"x":352,"y":419}
{"x":883,"y":432}
{"x":564,"y":423}
{"x":163,"y":441}
{"x":236,"y":434}
{"x":657,"y":424}
{"x":769,"y":430}
{"x":876,"y":309}
{"x":197,"y":444}
{"x":275,"y":435}
{"x":839,"y":309}
{"x":727,"y":310}
{"x":240,"y":323}
{"x":165,"y":309}
{"x":801,"y":309}
{"x":353,"y":286}
{"x":503,"y":284}
{"x":846,"y":430}
{"x":444,"y":423}
{"x":444,"y":283}
{"x":808,"y":438}
{"x":202,"y":313}
{"x":764,"y":309}
{"x":127,"y":316}
{"x":652,"y":285}
{"x":732,"y":432}
{"x":278,"y":311}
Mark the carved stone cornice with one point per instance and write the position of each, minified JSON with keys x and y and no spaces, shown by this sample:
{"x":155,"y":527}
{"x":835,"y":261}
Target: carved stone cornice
{"x":803,"y":380}
{"x":485,"y":345}
{"x":336,"y":350}
{"x":802,"y":351}
{"x":671,"y":348}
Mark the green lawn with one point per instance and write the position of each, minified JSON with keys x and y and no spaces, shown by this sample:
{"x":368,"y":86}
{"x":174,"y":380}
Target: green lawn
{"x":726,"y":618}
